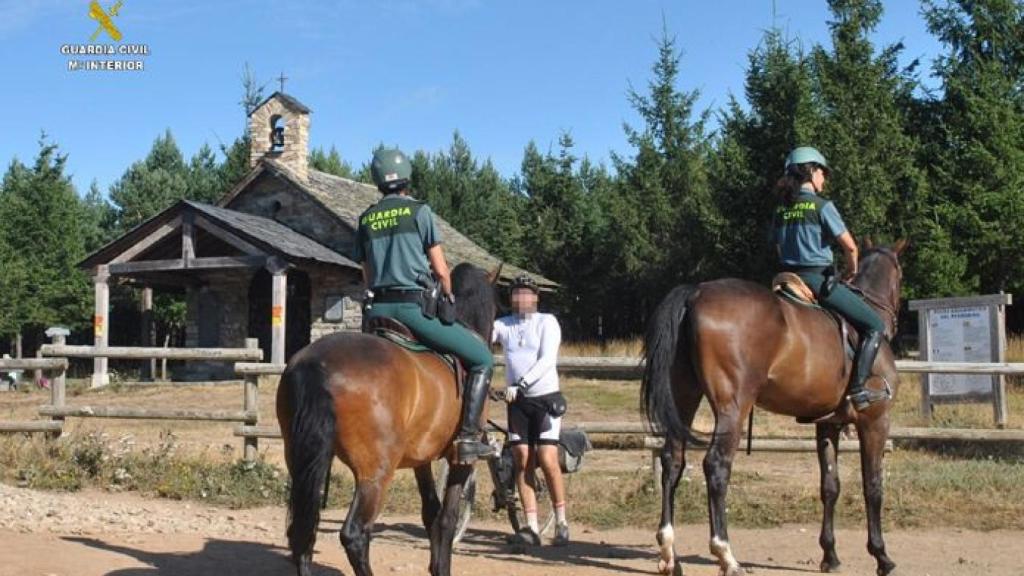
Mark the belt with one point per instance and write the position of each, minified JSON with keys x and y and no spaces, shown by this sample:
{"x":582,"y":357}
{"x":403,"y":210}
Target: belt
{"x":397,"y":296}
{"x":799,"y":269}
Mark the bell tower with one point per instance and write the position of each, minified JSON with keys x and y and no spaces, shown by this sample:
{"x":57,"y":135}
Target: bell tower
{"x":279,"y":130}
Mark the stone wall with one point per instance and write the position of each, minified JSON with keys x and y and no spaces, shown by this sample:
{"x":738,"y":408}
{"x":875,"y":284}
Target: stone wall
{"x":217,"y":316}
{"x":276,"y":199}
{"x":336,"y":294}
{"x":294,"y":153}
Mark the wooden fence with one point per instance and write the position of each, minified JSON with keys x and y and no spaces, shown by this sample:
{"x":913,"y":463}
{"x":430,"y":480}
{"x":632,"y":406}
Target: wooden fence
{"x":251,"y":431}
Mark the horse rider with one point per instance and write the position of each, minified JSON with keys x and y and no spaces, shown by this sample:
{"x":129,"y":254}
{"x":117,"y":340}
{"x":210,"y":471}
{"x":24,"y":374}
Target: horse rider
{"x":531,"y":340}
{"x":805,"y":224}
{"x":398,"y":245}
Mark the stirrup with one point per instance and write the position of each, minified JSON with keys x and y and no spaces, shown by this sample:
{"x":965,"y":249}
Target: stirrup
{"x":469,"y":450}
{"x":865,"y":397}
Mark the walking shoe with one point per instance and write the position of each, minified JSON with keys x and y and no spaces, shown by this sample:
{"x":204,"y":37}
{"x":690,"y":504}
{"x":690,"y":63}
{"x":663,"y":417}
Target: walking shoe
{"x":525,"y":537}
{"x":561,"y":535}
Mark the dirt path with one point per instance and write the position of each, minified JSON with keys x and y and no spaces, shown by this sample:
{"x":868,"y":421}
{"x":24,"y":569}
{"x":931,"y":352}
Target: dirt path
{"x":100,"y":534}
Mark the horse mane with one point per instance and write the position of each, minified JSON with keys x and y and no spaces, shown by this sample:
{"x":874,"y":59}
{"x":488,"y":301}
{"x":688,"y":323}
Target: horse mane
{"x":475,"y":302}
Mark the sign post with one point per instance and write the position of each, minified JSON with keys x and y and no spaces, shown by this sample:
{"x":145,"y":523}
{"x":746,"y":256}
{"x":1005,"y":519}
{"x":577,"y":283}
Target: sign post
{"x":971,"y":329}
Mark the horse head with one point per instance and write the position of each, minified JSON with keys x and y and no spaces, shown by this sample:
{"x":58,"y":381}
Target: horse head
{"x":475,"y":300}
{"x":880,"y":278}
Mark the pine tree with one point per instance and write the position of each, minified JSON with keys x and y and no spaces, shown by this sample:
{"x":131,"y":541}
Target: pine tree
{"x":329,"y":162}
{"x":976,"y":153}
{"x":150,"y":185}
{"x":41,"y":242}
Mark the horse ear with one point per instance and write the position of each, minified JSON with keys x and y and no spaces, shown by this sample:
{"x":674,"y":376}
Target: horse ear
{"x":868,"y":244}
{"x":493,"y":277}
{"x":900,"y":246}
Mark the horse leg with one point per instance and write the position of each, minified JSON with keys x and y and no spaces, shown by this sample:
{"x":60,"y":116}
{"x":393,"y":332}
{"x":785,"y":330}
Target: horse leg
{"x":717,"y":469}
{"x":362,"y":513}
{"x":873,"y":435}
{"x":828,"y":449}
{"x":428,"y":495}
{"x":673,"y":463}
{"x":442,"y":531}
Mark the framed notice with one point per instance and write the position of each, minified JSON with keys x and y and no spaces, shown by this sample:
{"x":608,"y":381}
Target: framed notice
{"x":959,"y":335}
{"x":969,"y":329}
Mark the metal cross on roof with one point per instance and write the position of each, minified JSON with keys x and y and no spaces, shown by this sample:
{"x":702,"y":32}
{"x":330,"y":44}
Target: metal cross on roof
{"x":281,"y":79}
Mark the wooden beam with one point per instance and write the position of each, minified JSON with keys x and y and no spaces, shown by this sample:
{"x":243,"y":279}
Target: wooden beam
{"x":962,"y":302}
{"x":177,"y":265}
{"x":138,"y":353}
{"x":258,"y":369}
{"x":258,"y":431}
{"x":188,"y":237}
{"x":33,"y":364}
{"x":32,"y":426}
{"x":144,"y":244}
{"x":101,"y":324}
{"x":278,"y":314}
{"x":226,"y":235}
{"x":962,"y":434}
{"x":150,"y":414}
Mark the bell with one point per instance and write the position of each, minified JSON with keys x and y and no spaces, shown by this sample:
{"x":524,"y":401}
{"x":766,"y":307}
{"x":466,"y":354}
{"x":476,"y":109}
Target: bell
{"x":277,"y":137}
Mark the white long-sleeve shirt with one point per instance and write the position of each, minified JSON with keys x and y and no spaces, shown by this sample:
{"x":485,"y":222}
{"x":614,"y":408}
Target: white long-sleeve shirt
{"x":531,"y":350}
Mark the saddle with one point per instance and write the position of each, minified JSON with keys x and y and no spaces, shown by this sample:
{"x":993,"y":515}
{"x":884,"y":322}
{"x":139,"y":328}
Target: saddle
{"x":399,"y":334}
{"x":791,"y":287}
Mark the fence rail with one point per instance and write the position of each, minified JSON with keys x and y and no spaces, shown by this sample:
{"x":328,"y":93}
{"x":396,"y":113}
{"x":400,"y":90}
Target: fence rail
{"x":251,"y":371}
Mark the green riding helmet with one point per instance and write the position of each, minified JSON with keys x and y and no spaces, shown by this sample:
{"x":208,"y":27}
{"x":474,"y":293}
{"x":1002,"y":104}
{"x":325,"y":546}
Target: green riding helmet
{"x":804,"y":155}
{"x":390,"y":169}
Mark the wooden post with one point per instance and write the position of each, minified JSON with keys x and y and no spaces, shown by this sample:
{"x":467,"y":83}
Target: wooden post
{"x":278,"y":311}
{"x":250,"y":403}
{"x":101,"y":323}
{"x":997,"y":324}
{"x":146,"y":305}
{"x":924,"y":354}
{"x":58,"y":335}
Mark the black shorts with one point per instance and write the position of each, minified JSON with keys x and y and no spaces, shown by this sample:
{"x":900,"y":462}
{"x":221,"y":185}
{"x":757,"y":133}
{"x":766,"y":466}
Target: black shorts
{"x":533,"y":427}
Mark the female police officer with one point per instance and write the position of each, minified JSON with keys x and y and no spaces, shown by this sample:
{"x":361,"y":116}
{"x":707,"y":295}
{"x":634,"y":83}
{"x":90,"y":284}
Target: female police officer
{"x":805,"y":224}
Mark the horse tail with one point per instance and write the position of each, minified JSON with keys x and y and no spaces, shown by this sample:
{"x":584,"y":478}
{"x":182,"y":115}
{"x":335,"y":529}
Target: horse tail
{"x":665,"y":330}
{"x":310,"y":450}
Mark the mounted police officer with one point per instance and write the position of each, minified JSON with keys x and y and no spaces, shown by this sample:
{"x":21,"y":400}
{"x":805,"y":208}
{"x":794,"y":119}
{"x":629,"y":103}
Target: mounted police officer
{"x":398,"y":245}
{"x":805,"y":225}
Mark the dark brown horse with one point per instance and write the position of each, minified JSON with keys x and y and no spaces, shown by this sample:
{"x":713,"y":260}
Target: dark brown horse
{"x":739,"y":345}
{"x":378,"y":407}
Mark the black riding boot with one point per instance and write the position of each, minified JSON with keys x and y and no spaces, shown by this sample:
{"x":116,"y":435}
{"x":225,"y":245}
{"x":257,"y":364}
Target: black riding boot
{"x":468,"y":445}
{"x":860,"y":396}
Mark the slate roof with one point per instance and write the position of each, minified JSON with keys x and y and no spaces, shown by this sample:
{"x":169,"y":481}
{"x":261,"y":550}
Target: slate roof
{"x":269,"y":235}
{"x":289,"y":101}
{"x":347,"y":199}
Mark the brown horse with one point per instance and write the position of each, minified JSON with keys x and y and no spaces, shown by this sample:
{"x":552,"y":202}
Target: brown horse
{"x":378,"y":407}
{"x":739,"y":345}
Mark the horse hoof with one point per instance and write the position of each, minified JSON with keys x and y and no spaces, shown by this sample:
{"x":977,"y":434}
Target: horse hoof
{"x":886,"y":569}
{"x":830,"y":567}
{"x":675,"y":567}
{"x":733,"y":571}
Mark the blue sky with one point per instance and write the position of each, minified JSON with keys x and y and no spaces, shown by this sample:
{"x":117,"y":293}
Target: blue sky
{"x":402,"y":72}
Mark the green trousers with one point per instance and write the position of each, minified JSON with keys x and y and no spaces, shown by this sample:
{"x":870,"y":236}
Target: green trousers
{"x":446,"y":338}
{"x":844,"y":301}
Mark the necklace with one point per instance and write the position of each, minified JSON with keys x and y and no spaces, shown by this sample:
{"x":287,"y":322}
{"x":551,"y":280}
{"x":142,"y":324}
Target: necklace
{"x":521,"y":331}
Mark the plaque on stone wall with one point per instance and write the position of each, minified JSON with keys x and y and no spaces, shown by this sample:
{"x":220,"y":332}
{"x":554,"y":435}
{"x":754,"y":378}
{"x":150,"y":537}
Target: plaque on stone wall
{"x":335,"y":308}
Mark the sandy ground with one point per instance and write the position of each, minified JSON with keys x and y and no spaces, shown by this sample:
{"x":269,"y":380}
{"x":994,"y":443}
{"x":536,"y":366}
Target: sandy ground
{"x":96,"y":533}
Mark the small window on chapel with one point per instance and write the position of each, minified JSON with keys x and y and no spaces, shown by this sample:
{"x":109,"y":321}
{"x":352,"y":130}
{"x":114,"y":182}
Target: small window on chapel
{"x":276,"y":133}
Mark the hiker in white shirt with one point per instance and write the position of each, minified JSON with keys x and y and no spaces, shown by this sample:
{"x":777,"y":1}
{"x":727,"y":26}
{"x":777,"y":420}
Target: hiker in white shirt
{"x":530,"y":341}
